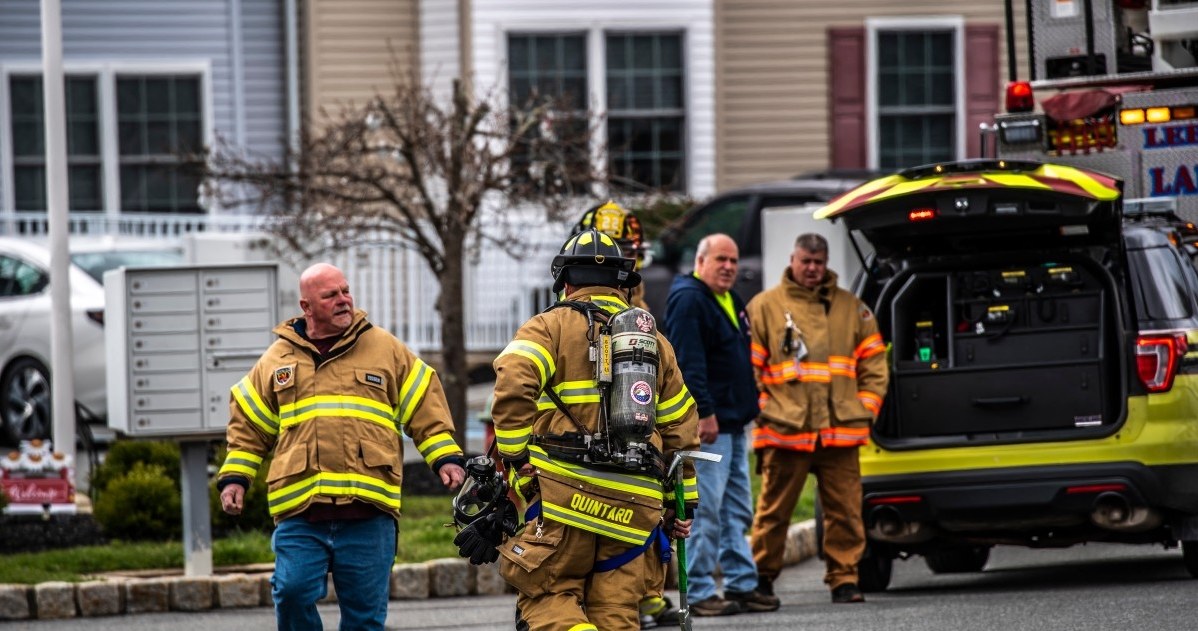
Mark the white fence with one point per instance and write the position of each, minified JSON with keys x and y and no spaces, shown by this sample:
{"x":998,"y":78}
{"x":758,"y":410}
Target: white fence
{"x":390,"y":281}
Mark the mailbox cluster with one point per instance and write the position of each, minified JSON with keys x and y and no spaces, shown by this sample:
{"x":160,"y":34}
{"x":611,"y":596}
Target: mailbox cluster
{"x":178,"y":338}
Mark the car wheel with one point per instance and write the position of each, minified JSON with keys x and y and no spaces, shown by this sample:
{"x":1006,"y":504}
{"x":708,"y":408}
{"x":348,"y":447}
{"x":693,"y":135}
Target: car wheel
{"x":875,"y":568}
{"x":1189,"y":552}
{"x":958,"y":560}
{"x":25,"y":401}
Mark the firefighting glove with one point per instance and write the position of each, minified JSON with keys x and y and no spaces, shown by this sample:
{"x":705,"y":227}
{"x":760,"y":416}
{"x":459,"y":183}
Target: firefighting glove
{"x":479,"y":540}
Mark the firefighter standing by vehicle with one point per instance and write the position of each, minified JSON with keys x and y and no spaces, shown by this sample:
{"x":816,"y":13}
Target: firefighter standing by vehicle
{"x":589,"y":405}
{"x":821,"y":369}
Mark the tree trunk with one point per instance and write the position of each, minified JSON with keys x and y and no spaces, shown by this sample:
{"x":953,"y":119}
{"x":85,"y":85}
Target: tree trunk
{"x":454,"y":373}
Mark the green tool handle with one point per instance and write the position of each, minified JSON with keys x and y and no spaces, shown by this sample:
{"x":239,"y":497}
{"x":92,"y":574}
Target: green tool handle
{"x":680,"y":513}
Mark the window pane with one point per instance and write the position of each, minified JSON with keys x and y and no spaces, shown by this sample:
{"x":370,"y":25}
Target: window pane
{"x":550,"y":67}
{"x":158,"y":96}
{"x":158,"y":125}
{"x":644,"y":97}
{"x":85,"y":188}
{"x":916,"y":97}
{"x":128,"y":97}
{"x":29,"y":187}
{"x":82,"y":138}
{"x":28,"y":139}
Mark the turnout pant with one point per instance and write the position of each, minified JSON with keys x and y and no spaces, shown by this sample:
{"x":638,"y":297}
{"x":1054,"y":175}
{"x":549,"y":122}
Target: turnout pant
{"x":558,"y":588}
{"x":783,"y":473}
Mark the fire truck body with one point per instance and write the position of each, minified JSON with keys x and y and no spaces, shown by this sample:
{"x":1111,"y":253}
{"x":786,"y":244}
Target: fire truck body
{"x":1138,"y":123}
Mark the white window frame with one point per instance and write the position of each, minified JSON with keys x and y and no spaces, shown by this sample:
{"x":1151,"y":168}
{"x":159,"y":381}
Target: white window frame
{"x":873,"y":26}
{"x":596,"y":41}
{"x":105,"y":74}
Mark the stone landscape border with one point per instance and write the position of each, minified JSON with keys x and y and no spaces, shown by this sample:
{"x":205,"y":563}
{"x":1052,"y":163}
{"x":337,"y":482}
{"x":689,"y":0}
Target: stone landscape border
{"x":117,"y":595}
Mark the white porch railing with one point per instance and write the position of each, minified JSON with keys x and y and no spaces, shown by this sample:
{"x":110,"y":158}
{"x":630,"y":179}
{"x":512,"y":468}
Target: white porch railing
{"x":390,"y":281}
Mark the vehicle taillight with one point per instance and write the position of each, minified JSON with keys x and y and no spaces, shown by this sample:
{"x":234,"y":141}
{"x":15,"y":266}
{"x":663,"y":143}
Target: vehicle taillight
{"x":1157,"y":359}
{"x":96,"y":315}
{"x":1019,"y":97}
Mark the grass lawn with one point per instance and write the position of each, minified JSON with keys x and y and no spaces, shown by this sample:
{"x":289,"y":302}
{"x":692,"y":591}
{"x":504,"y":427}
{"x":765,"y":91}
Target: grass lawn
{"x":423,"y":536}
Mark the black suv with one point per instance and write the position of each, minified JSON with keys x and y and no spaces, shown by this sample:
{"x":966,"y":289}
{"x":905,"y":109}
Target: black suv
{"x":1044,"y":365}
{"x":736,"y":213}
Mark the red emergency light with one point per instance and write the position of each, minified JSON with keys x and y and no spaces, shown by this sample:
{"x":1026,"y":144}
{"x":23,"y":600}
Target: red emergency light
{"x":921,"y":214}
{"x":1019,"y":97}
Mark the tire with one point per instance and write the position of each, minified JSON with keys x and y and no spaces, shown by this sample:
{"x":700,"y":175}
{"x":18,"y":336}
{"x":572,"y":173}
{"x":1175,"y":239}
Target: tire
{"x":1189,"y":552}
{"x":958,"y":560}
{"x":875,"y":569}
{"x":25,"y":401}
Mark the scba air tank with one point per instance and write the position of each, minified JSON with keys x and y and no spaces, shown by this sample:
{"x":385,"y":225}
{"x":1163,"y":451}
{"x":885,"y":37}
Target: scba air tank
{"x":634,"y":360}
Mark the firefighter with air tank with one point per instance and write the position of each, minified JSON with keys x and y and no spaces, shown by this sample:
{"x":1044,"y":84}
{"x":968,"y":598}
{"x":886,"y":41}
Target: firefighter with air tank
{"x":589,"y":407}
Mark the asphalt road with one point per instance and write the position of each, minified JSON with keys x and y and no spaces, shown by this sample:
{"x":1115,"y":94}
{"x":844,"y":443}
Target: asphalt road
{"x":1085,"y":587}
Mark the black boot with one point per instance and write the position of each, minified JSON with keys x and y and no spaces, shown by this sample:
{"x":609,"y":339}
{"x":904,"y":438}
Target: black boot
{"x":765,"y":585}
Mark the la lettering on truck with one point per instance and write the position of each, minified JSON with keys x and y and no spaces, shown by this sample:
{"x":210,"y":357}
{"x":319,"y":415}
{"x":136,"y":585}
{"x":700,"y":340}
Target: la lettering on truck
{"x":1112,"y":86}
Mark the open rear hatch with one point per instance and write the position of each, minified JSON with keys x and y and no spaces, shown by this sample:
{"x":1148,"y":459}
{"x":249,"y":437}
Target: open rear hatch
{"x":993,"y":286}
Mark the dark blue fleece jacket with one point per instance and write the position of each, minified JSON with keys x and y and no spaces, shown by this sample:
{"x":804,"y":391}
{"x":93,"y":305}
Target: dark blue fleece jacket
{"x":713,"y":354}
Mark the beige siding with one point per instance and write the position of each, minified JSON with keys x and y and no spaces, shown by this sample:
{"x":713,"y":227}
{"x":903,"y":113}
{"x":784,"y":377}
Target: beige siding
{"x":350,"y":48}
{"x":772,"y":77}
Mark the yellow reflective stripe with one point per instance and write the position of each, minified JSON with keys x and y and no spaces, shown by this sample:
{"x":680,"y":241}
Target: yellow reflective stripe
{"x":577,"y":519}
{"x":438,"y":446}
{"x":584,"y":626}
{"x":675,"y":407}
{"x":242,"y":462}
{"x":412,"y":392}
{"x":861,"y":191}
{"x":1018,"y":180}
{"x":537,"y":354}
{"x":252,"y":406}
{"x":1087,"y":183}
{"x":337,"y":405}
{"x":512,"y":442}
{"x":333,"y":484}
{"x":904,"y":188}
{"x":570,"y":392}
{"x":690,"y":490}
{"x":609,"y":304}
{"x":629,"y":483}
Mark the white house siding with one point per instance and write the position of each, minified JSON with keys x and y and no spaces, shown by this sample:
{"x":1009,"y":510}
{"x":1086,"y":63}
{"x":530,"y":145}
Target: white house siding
{"x":493,"y":19}
{"x":349,"y":51}
{"x":772,"y":81}
{"x":136,"y":35}
{"x":439,"y":44}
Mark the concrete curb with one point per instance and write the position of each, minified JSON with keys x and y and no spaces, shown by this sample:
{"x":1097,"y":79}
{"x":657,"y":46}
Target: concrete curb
{"x":250,"y":587}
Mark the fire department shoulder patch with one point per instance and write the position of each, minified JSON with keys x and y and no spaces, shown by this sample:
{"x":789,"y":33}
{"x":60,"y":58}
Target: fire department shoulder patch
{"x":864,"y":312}
{"x":283,"y":375}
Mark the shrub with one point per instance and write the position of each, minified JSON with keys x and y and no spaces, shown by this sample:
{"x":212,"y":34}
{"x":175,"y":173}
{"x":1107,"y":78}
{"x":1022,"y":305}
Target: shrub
{"x":124,"y":454}
{"x":144,"y":503}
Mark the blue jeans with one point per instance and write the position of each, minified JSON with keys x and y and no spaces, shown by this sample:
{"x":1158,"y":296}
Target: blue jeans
{"x":359,"y":553}
{"x":724,"y":516}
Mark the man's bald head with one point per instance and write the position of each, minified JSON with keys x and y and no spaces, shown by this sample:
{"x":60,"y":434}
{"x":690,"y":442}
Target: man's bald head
{"x":326,"y":301}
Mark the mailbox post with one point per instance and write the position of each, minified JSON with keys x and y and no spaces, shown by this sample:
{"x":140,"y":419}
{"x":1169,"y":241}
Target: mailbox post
{"x":177,"y":340}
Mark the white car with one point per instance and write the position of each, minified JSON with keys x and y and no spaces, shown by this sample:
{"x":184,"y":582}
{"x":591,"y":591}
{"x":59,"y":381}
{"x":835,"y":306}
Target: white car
{"x":25,"y":401}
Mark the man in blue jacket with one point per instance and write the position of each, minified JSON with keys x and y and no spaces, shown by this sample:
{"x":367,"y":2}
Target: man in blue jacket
{"x":706,"y":323}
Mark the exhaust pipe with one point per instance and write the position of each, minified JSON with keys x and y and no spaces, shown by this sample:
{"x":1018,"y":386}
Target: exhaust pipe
{"x":1113,"y":511}
{"x":889,"y":526}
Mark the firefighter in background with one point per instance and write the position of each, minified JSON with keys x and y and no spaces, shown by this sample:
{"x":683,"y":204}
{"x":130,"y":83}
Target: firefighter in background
{"x":821,"y":369}
{"x":590,"y":472}
{"x":623,"y":226}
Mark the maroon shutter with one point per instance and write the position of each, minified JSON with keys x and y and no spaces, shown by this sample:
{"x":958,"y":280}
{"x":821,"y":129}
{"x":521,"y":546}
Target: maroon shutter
{"x":981,"y":82}
{"x":846,"y":97}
